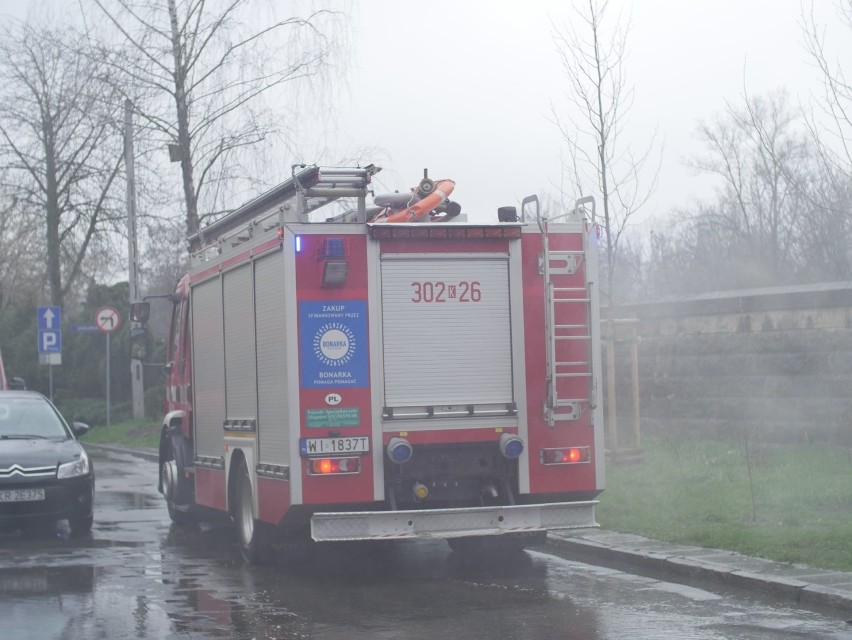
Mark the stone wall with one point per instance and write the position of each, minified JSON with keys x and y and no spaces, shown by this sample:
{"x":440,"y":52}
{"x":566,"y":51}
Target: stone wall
{"x":773,"y":363}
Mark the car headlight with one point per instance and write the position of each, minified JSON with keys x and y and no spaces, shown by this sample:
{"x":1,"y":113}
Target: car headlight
{"x":75,"y":468}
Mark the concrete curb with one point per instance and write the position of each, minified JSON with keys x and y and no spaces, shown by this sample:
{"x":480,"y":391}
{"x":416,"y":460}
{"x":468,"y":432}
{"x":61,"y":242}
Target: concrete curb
{"x":806,"y":586}
{"x":147,"y":454}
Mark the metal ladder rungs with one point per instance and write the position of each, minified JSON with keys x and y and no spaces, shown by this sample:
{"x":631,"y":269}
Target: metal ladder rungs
{"x":561,"y":268}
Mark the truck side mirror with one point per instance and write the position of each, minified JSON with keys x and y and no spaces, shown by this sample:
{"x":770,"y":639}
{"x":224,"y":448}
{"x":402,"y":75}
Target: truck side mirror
{"x":140,"y":311}
{"x":140,"y":343}
{"x":530,"y":209}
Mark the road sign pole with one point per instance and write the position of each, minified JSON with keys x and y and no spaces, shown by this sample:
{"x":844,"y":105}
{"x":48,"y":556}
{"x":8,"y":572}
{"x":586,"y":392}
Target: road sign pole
{"x":108,"y":407}
{"x":49,"y":321}
{"x":107,"y":320}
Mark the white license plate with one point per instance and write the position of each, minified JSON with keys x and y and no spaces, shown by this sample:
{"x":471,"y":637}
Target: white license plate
{"x":21,"y":495}
{"x":334,"y":446}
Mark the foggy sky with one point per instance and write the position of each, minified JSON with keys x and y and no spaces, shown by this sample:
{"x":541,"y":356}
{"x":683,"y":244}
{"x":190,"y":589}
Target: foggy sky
{"x":466,"y":89}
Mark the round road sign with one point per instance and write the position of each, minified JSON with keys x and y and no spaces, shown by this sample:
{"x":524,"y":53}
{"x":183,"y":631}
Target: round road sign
{"x":107,"y":319}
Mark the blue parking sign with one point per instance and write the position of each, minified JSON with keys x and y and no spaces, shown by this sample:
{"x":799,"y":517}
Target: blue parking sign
{"x":49,"y":329}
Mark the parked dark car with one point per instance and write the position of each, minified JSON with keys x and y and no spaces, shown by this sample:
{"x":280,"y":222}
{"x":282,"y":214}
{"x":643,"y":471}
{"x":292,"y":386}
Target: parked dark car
{"x":45,"y":474}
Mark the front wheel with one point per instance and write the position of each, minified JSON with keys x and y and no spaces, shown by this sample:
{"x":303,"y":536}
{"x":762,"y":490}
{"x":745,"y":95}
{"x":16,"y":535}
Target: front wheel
{"x":80,"y":525}
{"x":169,"y":482}
{"x":252,"y":534}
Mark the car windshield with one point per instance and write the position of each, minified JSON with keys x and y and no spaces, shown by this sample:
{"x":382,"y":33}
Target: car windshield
{"x":29,"y":418}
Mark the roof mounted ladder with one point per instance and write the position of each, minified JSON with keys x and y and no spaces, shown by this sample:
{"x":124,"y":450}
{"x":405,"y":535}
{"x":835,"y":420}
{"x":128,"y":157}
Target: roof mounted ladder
{"x":309,"y":188}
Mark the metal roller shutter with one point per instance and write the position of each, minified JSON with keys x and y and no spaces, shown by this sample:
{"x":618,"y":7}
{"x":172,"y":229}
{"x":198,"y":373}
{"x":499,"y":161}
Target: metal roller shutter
{"x":208,"y":366}
{"x":240,"y":363}
{"x":447,"y":330}
{"x":272,"y":389}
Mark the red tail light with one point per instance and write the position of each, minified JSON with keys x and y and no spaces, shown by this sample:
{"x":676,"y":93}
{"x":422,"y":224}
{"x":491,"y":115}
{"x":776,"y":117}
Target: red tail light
{"x":333,"y":466}
{"x":567,"y":455}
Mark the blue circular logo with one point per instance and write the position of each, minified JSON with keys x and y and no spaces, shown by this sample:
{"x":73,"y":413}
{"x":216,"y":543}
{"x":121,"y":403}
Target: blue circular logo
{"x":334,"y":344}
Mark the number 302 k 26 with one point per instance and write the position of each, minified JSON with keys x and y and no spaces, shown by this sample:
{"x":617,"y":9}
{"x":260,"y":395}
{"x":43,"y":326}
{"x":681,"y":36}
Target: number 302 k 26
{"x":446,"y":292}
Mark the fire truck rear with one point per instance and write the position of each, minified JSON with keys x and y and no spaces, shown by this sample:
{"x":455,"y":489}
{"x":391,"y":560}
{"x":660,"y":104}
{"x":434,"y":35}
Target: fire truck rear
{"x":366,"y":377}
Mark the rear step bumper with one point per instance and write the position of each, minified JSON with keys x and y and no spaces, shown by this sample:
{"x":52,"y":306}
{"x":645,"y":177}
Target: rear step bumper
{"x":452,"y":523}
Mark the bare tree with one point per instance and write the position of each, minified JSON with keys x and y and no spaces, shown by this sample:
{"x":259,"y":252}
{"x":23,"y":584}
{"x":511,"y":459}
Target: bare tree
{"x":21,"y":272}
{"x":831,"y":113}
{"x":203,"y":71}
{"x":60,"y":149}
{"x":766,"y":164}
{"x":830,"y":123}
{"x":593,"y":54}
{"x":775,"y":218}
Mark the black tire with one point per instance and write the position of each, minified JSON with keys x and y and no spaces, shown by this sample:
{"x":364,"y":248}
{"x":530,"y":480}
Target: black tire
{"x":178,"y":515}
{"x":80,"y":525}
{"x":251,"y":533}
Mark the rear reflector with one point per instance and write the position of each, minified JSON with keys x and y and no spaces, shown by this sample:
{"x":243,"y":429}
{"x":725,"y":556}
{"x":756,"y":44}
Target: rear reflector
{"x":567,"y":455}
{"x":333,"y":466}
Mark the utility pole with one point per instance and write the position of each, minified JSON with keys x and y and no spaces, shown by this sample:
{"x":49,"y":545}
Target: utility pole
{"x":137,"y":386}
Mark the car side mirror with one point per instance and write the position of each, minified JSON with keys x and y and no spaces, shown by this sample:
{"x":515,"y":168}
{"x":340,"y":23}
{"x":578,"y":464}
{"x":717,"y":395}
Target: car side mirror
{"x":79,"y":428}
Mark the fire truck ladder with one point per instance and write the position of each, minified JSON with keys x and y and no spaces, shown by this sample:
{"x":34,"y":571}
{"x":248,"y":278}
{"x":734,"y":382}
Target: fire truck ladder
{"x":554,"y":265}
{"x":309,"y":188}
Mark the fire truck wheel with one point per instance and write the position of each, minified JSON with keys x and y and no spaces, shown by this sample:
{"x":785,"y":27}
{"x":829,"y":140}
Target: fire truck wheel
{"x":252,"y":534}
{"x":168,"y":475}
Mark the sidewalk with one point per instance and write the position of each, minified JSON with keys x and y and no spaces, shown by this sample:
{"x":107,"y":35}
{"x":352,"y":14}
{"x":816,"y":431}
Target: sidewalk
{"x":803,"y":585}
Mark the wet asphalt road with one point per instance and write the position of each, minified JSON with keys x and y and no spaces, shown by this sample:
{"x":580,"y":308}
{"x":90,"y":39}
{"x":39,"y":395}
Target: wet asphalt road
{"x":138,"y":577}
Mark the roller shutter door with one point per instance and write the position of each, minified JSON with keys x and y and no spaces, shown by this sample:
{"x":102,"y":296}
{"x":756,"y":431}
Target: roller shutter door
{"x":272,"y":389}
{"x":446,"y":330}
{"x":240,"y":363}
{"x":208,"y":364}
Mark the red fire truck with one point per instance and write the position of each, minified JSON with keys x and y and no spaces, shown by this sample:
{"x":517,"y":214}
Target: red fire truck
{"x":384,"y":372}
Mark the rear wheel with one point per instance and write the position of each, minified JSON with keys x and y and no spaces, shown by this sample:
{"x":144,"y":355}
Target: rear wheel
{"x":252,"y":534}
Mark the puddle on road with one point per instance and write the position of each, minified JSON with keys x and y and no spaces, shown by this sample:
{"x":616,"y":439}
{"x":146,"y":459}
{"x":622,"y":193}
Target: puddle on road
{"x":54,"y":580}
{"x":128,"y":499}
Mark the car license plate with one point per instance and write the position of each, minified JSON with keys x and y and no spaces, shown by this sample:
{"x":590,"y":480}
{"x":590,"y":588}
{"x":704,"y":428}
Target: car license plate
{"x":334,"y":446}
{"x":21,"y":495}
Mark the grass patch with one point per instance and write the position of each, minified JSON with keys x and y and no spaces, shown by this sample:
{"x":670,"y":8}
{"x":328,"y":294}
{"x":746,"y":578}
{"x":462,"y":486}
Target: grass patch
{"x":130,"y":433}
{"x":697,"y":493}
